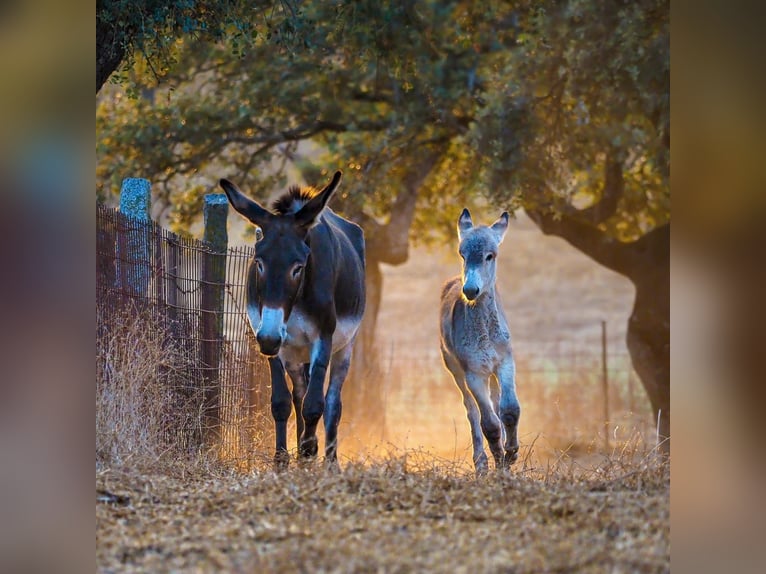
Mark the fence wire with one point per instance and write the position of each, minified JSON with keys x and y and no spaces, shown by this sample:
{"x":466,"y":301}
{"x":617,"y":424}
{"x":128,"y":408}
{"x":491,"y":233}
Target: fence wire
{"x":169,"y":280}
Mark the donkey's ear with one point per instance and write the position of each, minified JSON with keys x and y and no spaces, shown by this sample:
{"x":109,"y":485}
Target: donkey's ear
{"x":501,"y":226}
{"x":243,"y":204}
{"x":464,"y":223}
{"x":308,"y":214}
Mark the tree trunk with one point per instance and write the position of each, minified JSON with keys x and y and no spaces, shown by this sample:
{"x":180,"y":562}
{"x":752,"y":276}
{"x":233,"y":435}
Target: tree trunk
{"x":385,"y":243}
{"x":110,"y":49}
{"x":646,"y":262}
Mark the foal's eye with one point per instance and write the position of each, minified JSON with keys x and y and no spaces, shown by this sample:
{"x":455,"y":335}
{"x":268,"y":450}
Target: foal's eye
{"x":297,"y":270}
{"x":489,"y":257}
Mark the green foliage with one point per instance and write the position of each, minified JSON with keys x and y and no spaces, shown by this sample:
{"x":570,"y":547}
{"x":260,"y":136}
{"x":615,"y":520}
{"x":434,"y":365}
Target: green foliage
{"x":521,"y":103}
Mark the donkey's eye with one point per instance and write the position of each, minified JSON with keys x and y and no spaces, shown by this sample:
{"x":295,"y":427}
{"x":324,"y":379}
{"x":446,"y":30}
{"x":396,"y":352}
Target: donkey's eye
{"x":259,"y":266}
{"x":297,"y":270}
{"x":489,"y":257}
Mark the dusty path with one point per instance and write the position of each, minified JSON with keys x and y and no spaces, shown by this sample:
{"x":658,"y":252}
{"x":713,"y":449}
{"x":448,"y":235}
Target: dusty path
{"x":397,"y":516}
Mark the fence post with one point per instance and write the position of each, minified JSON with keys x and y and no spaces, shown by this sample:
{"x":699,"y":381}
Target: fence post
{"x":135,"y":259}
{"x":215,"y":211}
{"x":605,"y":384}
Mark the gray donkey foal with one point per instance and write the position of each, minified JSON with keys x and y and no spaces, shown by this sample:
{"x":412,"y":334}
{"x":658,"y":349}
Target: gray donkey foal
{"x":476,"y":344}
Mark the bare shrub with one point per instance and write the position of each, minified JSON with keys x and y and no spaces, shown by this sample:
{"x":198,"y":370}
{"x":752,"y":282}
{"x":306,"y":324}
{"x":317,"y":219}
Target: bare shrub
{"x":145,"y":409}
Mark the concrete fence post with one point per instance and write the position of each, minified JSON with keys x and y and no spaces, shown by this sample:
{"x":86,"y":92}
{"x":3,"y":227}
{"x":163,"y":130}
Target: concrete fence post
{"x":215,"y":212}
{"x":135,"y":259}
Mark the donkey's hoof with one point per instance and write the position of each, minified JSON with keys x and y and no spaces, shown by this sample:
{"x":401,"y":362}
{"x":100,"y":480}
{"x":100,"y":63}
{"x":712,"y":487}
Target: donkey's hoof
{"x":281,"y":460}
{"x":309,"y":447}
{"x":331,"y":465}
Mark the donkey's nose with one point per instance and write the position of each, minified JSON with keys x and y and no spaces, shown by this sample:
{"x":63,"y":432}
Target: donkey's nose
{"x":470,"y":292}
{"x":268,"y":344}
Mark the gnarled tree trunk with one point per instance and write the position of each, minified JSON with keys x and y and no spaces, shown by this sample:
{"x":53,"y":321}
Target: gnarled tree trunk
{"x":646,"y":262}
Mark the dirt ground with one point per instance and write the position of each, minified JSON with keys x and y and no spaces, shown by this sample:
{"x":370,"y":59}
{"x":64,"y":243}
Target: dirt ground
{"x":405,"y":514}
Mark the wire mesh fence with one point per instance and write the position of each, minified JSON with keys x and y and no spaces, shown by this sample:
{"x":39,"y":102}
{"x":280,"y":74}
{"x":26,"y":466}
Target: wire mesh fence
{"x":193,"y":294}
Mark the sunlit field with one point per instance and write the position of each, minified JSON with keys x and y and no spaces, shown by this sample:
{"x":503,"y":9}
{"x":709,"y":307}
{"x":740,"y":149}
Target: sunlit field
{"x":584,"y":496}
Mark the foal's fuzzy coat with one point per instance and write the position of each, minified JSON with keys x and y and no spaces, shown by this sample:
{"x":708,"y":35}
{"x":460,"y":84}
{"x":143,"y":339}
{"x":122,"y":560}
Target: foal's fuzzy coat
{"x":476,"y":344}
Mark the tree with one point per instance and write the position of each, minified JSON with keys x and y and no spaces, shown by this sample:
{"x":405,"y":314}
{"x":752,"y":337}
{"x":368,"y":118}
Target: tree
{"x":126,"y":29}
{"x":559,"y":107}
{"x":590,"y":125}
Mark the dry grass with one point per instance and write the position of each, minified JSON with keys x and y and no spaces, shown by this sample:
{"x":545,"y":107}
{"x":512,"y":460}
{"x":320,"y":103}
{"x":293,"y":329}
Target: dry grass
{"x":145,"y":410}
{"x":401,"y":514}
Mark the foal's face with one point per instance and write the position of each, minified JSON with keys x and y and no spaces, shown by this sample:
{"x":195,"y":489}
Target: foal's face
{"x":478,"y":249}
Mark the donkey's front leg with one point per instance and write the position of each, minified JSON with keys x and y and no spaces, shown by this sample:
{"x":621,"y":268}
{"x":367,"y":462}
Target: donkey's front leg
{"x":299,"y":375}
{"x":313,"y":402}
{"x":280,"y":409}
{"x":510,"y":410}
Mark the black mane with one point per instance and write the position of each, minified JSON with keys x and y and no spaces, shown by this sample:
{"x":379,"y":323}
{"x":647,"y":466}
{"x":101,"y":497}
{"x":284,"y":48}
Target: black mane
{"x":293,"y":199}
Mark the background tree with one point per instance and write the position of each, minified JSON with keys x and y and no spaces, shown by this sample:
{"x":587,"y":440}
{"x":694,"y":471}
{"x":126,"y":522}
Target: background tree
{"x":578,"y":127}
{"x":127,"y":30}
{"x":562,"y":107}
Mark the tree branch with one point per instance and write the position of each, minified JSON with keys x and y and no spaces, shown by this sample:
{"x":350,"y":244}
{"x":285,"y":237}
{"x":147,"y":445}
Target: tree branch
{"x":614,"y":188}
{"x":389,"y":243}
{"x":595,"y":243}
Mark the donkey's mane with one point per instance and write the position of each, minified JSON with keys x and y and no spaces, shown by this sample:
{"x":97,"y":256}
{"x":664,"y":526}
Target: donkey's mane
{"x":293,"y":199}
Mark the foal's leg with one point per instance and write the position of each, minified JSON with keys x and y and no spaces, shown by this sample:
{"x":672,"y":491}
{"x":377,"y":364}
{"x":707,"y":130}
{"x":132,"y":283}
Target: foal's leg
{"x":341,"y":361}
{"x":510,"y":410}
{"x":494,"y":391}
{"x":280,"y":409}
{"x":472,"y":411}
{"x":490,"y":423}
{"x":299,"y":374}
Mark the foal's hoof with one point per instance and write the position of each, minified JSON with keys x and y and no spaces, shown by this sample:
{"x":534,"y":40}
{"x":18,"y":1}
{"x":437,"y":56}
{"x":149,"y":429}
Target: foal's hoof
{"x":481,"y":464}
{"x":308,"y":448}
{"x":511,"y":456}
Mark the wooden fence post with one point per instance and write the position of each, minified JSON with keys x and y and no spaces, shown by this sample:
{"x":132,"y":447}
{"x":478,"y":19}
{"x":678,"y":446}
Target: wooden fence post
{"x":135,"y":259}
{"x":606,"y":385}
{"x":215,"y":211}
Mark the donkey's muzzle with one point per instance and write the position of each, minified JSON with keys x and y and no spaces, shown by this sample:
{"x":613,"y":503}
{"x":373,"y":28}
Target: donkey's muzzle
{"x":470,"y":292}
{"x":268,"y":345}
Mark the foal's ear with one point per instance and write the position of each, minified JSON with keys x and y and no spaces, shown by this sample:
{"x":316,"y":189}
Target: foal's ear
{"x":243,"y":204}
{"x":308,"y":214}
{"x":501,"y":226}
{"x":464,"y":223}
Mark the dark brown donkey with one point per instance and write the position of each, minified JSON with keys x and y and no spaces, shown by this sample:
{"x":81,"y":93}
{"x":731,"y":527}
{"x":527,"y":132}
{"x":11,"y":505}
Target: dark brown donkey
{"x":305,"y":301}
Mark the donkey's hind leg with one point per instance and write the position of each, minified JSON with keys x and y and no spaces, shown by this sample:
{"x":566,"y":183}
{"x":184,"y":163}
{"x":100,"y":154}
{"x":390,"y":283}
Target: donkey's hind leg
{"x":480,"y":461}
{"x":341,"y":361}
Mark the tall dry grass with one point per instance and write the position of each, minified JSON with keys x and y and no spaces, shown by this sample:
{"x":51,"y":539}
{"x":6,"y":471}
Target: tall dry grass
{"x":146,"y":410}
